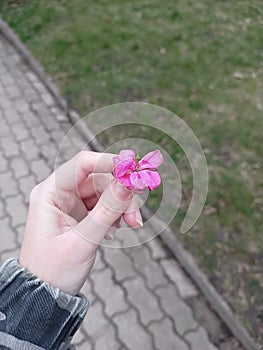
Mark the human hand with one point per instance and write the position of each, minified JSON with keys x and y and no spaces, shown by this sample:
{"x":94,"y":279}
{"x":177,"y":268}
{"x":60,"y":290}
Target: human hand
{"x":70,"y":213}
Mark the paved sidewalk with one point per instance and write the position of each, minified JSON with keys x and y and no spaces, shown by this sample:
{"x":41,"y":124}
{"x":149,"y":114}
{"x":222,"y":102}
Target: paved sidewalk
{"x":139,"y":296}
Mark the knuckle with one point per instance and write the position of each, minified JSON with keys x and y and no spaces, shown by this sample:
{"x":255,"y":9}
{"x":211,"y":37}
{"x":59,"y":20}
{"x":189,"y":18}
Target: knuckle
{"x":35,"y":192}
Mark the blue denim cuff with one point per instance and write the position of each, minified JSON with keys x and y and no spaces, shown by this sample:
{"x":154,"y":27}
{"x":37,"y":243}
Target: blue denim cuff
{"x":34,"y":311}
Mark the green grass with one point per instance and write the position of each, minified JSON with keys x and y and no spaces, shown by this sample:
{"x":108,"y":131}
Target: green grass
{"x":202,"y":60}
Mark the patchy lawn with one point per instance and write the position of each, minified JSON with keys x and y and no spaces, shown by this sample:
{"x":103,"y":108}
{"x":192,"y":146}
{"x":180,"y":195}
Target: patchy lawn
{"x":202,"y":60}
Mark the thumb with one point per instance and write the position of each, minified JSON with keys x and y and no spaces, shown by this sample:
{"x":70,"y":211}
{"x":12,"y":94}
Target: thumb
{"x":113,"y":202}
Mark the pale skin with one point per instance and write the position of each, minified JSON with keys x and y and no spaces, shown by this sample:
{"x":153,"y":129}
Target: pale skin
{"x":70,"y":213}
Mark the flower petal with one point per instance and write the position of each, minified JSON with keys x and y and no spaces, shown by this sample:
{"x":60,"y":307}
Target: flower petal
{"x":151,"y":160}
{"x":151,"y":178}
{"x":124,"y":154}
{"x":137,"y":182}
{"x":125,"y":180}
{"x":124,"y":166}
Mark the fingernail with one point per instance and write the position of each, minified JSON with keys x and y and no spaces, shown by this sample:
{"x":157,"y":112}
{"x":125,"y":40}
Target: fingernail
{"x":139,"y":218}
{"x":111,"y":233}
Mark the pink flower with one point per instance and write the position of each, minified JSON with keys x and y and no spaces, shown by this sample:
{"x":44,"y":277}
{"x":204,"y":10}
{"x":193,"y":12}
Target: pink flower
{"x":138,"y":174}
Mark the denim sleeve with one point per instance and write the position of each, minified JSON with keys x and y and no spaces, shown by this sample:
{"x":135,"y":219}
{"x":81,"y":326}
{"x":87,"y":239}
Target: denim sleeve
{"x":35,"y":315}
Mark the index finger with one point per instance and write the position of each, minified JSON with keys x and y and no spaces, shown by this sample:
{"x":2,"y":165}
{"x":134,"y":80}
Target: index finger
{"x":75,"y":171}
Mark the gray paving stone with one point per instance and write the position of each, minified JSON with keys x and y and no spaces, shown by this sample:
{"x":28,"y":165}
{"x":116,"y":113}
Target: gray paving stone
{"x":107,"y":340}
{"x":143,"y":300}
{"x":48,"y":99}
{"x":177,"y":309}
{"x":148,"y":267}
{"x":40,"y":135}
{"x":99,"y":263}
{"x":5,"y":255}
{"x":95,"y":322}
{"x":59,"y":114}
{"x":157,"y":251}
{"x":165,"y":338}
{"x":185,"y":287}
{"x":84,"y":346}
{"x":3,"y":163}
{"x":87,"y":291}
{"x":30,"y":150}
{"x":13,"y":91}
{"x":7,"y":236}
{"x":1,"y":209}
{"x":26,"y":185}
{"x":5,"y":103}
{"x":19,"y":166}
{"x":30,"y":119}
{"x":108,"y":291}
{"x":199,"y":340}
{"x":12,"y":117}
{"x":40,"y":169}
{"x":21,"y":105}
{"x":131,"y":333}
{"x":17,"y":210}
{"x":51,"y":123}
{"x":8,"y":186}
{"x":31,"y":77}
{"x":20,"y":231}
{"x":120,"y":262}
{"x":78,"y":337}
{"x":4,"y":128}
{"x":9,"y":147}
{"x":39,"y":87}
{"x":21,"y":132}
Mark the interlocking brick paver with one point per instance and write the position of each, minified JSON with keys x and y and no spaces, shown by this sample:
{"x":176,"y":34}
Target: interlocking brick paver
{"x":120,"y":262}
{"x":199,"y":340}
{"x":95,"y":322}
{"x":175,"y":273}
{"x":13,"y":91}
{"x":21,"y":133}
{"x":165,"y":338}
{"x":3,"y":163}
{"x":47,"y":99}
{"x":7,"y":236}
{"x":29,"y":149}
{"x":78,"y":337}
{"x":19,"y":166}
{"x":99,"y":263}
{"x":40,"y":135}
{"x":9,"y":147}
{"x":148,"y":267}
{"x":110,"y":292}
{"x":157,"y":250}
{"x":5,"y":103}
{"x":145,"y":302}
{"x":1,"y":209}
{"x":26,"y":184}
{"x":131,"y":333}
{"x":12,"y":117}
{"x":13,"y":253}
{"x":17,"y":209}
{"x":21,"y":105}
{"x":136,"y":295}
{"x":8,"y":186}
{"x":177,"y":309}
{"x":20,"y":231}
{"x":4,"y":127}
{"x":107,"y":339}
{"x":40,"y":169}
{"x":30,"y":119}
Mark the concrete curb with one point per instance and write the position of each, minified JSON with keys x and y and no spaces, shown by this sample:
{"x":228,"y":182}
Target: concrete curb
{"x":184,"y":258}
